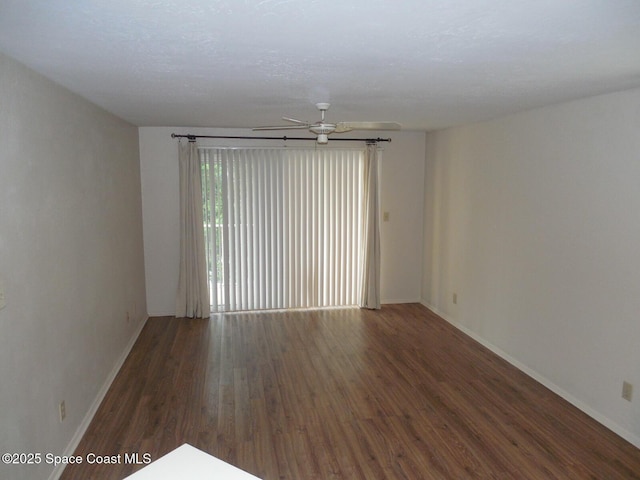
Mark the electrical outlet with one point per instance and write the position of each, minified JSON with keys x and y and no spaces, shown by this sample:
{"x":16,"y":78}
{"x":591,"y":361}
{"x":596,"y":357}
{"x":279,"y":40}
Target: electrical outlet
{"x":63,"y":411}
{"x":627,"y":391}
{"x":455,"y":298}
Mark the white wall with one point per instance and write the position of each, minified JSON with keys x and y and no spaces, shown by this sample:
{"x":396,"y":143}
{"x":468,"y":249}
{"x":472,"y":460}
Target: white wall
{"x":70,"y":257}
{"x":401,"y":195}
{"x":533,"y":221}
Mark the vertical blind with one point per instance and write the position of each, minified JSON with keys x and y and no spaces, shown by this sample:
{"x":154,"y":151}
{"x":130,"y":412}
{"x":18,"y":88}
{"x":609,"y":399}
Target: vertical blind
{"x":282,"y":226}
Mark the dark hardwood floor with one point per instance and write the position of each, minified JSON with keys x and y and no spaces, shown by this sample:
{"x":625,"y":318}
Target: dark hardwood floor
{"x":343,"y":394}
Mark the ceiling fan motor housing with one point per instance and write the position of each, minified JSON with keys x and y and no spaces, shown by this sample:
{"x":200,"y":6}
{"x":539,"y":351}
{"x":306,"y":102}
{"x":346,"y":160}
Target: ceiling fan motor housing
{"x":322,"y":128}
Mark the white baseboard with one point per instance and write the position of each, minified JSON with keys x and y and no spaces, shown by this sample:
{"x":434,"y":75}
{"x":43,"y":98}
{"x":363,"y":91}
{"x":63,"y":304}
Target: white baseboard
{"x":82,"y":428}
{"x":399,"y":300}
{"x":597,"y":416}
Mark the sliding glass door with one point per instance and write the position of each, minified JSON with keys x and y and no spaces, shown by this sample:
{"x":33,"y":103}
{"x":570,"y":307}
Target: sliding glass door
{"x":283,"y":226}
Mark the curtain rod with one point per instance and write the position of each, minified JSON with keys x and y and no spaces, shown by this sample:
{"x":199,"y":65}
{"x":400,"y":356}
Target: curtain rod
{"x":192,"y":138}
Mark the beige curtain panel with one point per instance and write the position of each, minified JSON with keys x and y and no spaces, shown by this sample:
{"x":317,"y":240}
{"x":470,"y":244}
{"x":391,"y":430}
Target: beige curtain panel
{"x":370,"y":247}
{"x":192,"y":298}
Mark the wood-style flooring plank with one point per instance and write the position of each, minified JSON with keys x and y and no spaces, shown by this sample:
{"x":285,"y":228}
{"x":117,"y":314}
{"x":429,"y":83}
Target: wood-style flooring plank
{"x":343,"y":394}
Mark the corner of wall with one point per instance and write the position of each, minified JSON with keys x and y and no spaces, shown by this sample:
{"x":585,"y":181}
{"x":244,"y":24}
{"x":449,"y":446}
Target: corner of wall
{"x":86,"y":421}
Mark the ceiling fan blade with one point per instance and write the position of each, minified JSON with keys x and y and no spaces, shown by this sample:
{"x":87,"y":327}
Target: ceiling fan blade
{"x":293,"y":120}
{"x":342,"y":127}
{"x":282,"y":127}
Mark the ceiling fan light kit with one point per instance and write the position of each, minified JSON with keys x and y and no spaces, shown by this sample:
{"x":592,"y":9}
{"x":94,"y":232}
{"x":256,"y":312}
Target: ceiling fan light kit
{"x":323,"y":129}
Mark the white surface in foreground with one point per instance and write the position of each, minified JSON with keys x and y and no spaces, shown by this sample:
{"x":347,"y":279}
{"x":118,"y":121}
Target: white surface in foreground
{"x":187,"y":462}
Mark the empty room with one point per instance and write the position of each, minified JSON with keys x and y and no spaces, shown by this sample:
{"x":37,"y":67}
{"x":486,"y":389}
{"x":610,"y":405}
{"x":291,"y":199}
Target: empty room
{"x":319,"y":239}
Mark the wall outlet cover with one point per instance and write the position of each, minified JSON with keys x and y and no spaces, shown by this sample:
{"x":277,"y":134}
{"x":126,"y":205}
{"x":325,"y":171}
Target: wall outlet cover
{"x":627,"y":391}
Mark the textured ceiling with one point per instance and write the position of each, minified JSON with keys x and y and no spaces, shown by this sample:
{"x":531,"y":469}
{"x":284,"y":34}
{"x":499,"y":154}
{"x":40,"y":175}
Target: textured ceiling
{"x":424,"y":63}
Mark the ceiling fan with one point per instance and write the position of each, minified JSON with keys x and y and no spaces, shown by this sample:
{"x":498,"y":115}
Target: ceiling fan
{"x":323,"y":128}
